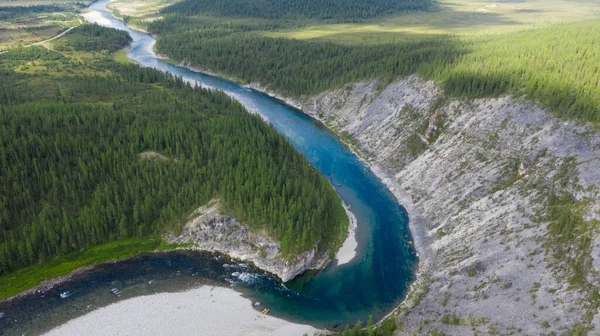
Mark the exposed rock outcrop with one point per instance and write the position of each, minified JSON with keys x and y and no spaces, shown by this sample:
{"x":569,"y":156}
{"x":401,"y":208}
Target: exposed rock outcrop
{"x":208,"y":230}
{"x":475,"y":177}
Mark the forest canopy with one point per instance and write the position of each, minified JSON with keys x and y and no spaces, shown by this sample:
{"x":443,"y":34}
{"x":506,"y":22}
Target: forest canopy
{"x":73,"y":142}
{"x":342,"y":10}
{"x":556,"y":66}
{"x":92,"y":37}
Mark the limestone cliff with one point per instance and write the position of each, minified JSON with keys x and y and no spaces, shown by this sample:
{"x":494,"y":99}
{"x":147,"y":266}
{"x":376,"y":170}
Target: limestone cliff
{"x":476,"y":177}
{"x":208,"y":230}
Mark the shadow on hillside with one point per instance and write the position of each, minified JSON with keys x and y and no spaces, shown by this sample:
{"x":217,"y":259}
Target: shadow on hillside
{"x":450,"y":16}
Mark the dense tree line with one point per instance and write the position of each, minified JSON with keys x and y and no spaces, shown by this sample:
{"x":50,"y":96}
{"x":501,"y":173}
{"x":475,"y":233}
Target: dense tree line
{"x":298,"y":9}
{"x":28,"y":54}
{"x":91,"y":37}
{"x":298,"y":67}
{"x":10,"y":12}
{"x":131,"y":152}
{"x":556,"y":66}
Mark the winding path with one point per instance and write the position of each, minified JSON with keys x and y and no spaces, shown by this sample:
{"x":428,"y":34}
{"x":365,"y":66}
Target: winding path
{"x":44,"y":41}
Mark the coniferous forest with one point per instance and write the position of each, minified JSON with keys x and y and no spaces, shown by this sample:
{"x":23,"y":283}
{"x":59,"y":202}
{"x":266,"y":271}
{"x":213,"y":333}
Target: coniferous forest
{"x":556,"y":66}
{"x":91,"y":37}
{"x":338,"y":10}
{"x":95,"y":151}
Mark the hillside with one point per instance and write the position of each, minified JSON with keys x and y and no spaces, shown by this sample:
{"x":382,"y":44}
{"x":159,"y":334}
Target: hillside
{"x":503,"y":199}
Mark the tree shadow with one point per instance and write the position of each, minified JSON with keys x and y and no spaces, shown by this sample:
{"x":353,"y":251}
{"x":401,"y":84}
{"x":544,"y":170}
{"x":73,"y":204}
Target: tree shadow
{"x":451,"y":16}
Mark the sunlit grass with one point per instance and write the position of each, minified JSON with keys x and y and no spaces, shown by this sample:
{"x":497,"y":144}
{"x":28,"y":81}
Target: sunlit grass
{"x":146,"y":10}
{"x":453,"y":17}
{"x":29,"y":277}
{"x":121,"y":56}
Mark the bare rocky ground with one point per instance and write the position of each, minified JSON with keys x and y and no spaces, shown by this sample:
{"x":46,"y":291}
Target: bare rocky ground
{"x":209,"y":230}
{"x":475,"y":177}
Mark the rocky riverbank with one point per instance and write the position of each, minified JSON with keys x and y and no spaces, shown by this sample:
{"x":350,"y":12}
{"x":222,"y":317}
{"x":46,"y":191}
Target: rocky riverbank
{"x":209,"y":230}
{"x":475,"y":177}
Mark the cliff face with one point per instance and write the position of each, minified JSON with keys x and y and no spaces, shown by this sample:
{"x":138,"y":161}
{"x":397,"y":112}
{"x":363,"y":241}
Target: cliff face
{"x":477,"y":177}
{"x":211,"y":231}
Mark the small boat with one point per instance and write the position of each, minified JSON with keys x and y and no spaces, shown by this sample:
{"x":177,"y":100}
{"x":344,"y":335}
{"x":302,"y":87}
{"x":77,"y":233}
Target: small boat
{"x":65,"y":295}
{"x":116,"y":291}
{"x":265,"y":311}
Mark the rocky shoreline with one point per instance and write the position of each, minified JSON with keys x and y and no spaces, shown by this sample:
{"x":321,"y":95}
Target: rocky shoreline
{"x":211,"y":231}
{"x":471,"y":175}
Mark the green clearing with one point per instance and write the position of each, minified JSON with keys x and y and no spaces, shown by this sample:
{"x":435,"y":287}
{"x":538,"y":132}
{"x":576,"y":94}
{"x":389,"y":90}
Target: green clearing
{"x":121,"y":57}
{"x":144,"y":10}
{"x":138,"y":14}
{"x":31,"y":276}
{"x":26,"y":22}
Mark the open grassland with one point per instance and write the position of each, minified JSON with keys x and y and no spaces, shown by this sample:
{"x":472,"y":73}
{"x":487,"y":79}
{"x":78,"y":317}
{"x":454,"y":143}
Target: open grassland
{"x":139,"y":14}
{"x":26,"y":22}
{"x":452,"y":17}
{"x":139,"y":9}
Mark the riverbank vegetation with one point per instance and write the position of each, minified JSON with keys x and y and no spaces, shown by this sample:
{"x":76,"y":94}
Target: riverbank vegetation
{"x":30,"y":276}
{"x":74,"y":127}
{"x":554,"y":65}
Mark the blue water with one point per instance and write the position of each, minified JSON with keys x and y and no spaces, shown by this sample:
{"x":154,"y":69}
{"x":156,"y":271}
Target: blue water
{"x":373,"y":283}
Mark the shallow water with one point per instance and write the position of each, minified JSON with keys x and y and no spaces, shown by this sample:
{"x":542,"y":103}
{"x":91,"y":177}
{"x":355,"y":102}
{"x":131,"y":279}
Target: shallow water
{"x":373,"y":283}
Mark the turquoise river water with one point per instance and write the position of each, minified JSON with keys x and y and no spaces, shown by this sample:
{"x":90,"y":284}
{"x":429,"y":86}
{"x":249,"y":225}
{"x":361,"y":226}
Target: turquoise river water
{"x":373,"y":283}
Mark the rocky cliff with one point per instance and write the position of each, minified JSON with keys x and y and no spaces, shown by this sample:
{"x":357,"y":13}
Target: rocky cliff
{"x":504,"y":202}
{"x":208,"y":230}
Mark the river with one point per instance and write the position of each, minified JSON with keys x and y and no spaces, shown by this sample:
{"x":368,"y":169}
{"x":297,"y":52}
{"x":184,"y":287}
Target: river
{"x":373,"y":283}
